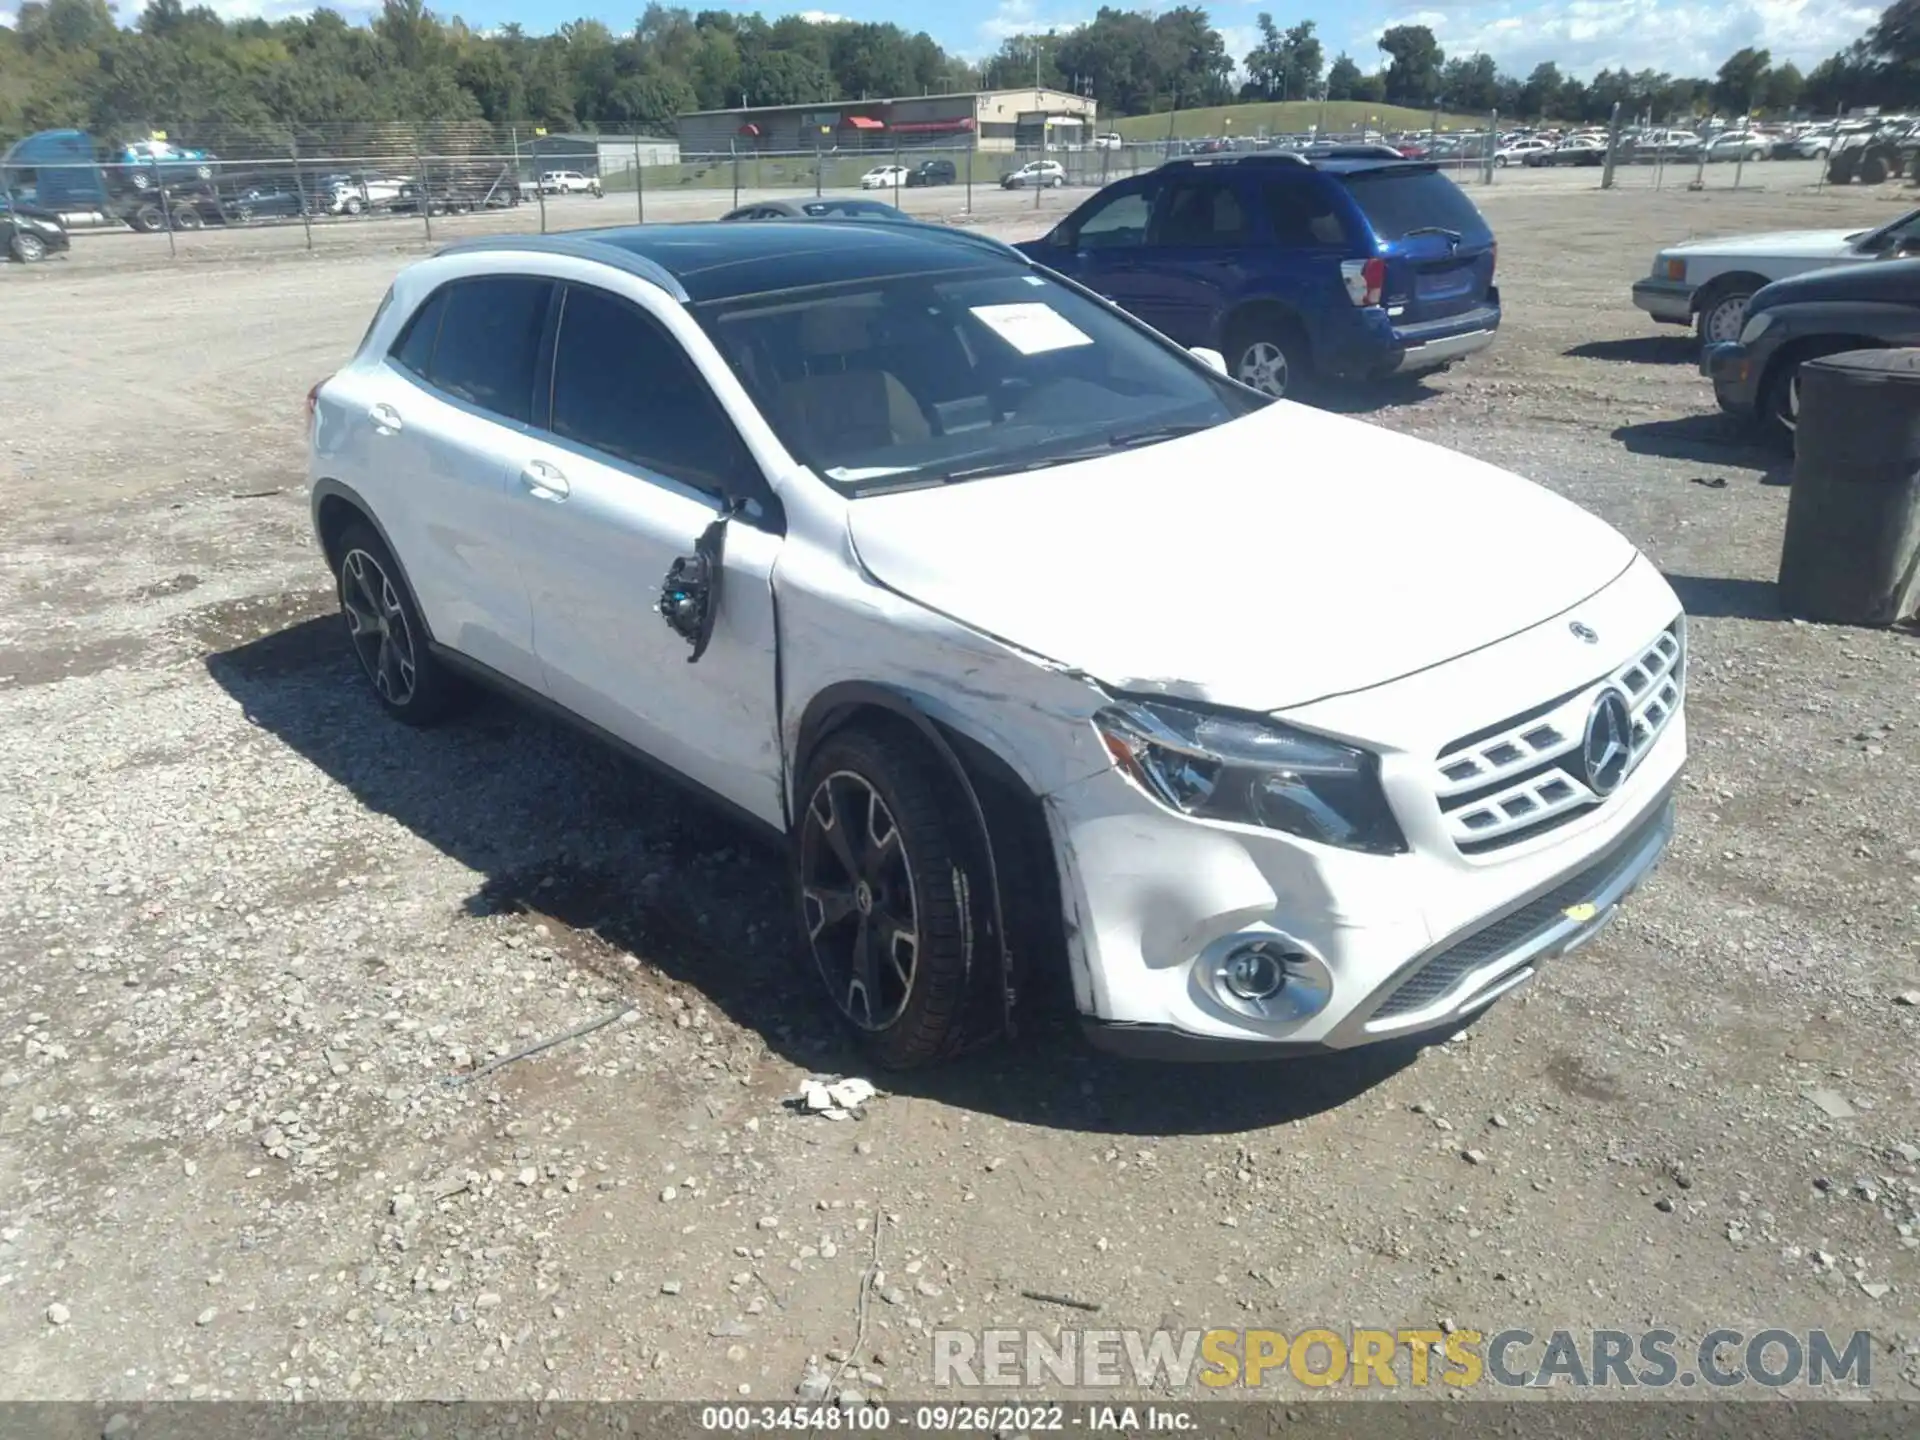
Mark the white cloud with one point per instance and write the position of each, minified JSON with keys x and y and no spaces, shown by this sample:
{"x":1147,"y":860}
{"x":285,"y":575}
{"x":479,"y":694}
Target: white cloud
{"x":1021,"y":17}
{"x":820,"y":17}
{"x":9,"y":19}
{"x":1681,"y":37}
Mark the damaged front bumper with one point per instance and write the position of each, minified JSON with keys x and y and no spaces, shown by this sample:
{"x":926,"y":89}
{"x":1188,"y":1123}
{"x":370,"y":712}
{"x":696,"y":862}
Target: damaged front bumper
{"x":1160,"y":906}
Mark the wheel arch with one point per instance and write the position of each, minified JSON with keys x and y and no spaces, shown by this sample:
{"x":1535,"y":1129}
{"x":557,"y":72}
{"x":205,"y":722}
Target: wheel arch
{"x":1810,"y":347}
{"x":1255,"y":311}
{"x":336,"y":505}
{"x":1007,"y":829}
{"x":1720,"y":285}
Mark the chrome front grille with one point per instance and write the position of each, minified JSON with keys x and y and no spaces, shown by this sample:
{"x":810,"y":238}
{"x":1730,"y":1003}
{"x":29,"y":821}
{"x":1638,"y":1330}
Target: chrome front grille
{"x":1502,"y":785}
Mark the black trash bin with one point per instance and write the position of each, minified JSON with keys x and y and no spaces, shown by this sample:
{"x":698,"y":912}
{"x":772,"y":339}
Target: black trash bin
{"x":1852,"y":550}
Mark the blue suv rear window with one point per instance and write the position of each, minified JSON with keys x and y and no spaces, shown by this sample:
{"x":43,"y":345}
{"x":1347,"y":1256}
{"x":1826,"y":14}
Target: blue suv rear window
{"x":1396,"y":201}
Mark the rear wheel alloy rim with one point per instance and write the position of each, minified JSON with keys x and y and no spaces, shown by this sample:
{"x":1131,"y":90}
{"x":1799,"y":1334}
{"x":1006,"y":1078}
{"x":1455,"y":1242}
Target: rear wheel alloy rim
{"x":1263,"y":365}
{"x":378,"y":627}
{"x":857,"y":901}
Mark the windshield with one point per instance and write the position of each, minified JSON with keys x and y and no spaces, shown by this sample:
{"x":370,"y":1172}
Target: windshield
{"x":881,"y":384}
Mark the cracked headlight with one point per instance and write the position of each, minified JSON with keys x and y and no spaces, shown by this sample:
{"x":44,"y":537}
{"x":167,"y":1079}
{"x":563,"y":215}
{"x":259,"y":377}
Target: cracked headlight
{"x":1253,"y":771}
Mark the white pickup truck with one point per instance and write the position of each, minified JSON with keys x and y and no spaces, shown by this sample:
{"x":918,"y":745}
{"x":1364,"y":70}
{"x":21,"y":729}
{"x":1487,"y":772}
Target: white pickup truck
{"x":1707,"y":283}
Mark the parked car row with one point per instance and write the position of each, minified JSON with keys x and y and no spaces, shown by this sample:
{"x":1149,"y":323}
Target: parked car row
{"x":1764,"y":305}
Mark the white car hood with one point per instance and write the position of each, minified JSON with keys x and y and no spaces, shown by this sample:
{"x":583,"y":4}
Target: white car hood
{"x":1781,"y":244}
{"x":1286,"y":557}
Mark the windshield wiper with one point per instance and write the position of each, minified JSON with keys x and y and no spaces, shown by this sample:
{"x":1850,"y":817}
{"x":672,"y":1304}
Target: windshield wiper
{"x":1134,"y":439}
{"x":1454,"y":235}
{"x":1131,"y":440}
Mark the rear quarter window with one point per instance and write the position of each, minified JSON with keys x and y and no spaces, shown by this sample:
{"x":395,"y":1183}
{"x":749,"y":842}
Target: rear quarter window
{"x":1396,"y":201}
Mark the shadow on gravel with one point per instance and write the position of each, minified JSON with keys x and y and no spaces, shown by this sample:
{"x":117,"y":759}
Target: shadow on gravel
{"x":1706,"y":440}
{"x":1373,"y":396}
{"x":1705,"y":597}
{"x":1641,"y":350}
{"x":565,"y":831}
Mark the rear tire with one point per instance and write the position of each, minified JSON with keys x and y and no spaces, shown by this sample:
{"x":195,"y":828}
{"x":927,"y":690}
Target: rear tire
{"x":148,"y":220}
{"x":883,"y":911}
{"x":1873,"y":170}
{"x":186,"y":217}
{"x":387,"y":636}
{"x":1271,"y":355}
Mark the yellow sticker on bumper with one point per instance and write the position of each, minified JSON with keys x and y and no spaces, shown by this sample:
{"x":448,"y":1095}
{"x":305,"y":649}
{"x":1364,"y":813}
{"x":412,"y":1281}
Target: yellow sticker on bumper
{"x":1580,"y":914}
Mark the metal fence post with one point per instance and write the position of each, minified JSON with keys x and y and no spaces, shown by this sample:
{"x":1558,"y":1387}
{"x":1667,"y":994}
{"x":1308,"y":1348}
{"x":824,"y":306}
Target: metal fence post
{"x":1660,"y":155}
{"x":540,"y":193}
{"x":733,"y":149}
{"x":300,"y":192}
{"x":639,"y":184}
{"x":1493,"y":144}
{"x":166,"y":206}
{"x":969,"y":179}
{"x":1825,"y":161}
{"x":1740,"y":160}
{"x":426,"y":194}
{"x":1613,"y":147}
{"x":819,"y":166}
{"x":1700,"y":167}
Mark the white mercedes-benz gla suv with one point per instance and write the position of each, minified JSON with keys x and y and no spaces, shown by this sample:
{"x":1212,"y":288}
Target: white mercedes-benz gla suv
{"x":1037,"y":640}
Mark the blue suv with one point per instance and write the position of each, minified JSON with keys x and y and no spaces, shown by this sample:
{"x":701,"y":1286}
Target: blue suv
{"x":1293,"y":269}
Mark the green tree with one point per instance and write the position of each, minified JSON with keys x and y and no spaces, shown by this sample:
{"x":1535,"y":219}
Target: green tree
{"x":1541,"y":93}
{"x":1343,"y":78}
{"x":1784,"y":86}
{"x":1414,"y":63}
{"x":1740,"y":82}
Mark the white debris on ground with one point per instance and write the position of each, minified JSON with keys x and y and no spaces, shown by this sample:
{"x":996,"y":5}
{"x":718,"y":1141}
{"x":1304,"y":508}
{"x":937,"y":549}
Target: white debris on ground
{"x":833,"y":1097}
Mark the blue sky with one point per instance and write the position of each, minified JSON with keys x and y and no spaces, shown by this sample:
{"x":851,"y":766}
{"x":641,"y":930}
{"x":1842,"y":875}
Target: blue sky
{"x":1686,"y":37}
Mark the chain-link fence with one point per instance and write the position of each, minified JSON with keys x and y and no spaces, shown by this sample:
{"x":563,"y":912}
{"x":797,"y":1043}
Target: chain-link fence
{"x":317,"y":177}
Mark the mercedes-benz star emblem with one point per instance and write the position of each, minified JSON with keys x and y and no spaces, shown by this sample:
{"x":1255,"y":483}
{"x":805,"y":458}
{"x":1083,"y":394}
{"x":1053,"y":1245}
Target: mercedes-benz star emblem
{"x":1608,"y":746}
{"x":1584,"y":632}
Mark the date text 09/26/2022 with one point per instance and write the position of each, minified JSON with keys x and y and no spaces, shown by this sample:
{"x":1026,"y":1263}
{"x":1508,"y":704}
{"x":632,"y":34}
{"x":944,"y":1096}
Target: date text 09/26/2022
{"x":961,"y":1419}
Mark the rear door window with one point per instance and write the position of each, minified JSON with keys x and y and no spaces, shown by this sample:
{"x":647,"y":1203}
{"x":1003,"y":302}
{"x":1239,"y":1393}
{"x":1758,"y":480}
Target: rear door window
{"x":488,"y":343}
{"x":1396,"y":201}
{"x":1204,"y":213}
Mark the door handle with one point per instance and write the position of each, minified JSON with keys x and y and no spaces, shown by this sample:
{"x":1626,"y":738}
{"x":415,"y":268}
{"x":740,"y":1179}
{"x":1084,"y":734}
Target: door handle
{"x":544,"y":481}
{"x":385,"y":419}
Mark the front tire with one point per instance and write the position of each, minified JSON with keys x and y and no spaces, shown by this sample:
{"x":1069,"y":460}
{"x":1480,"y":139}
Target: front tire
{"x":28,"y":249}
{"x":883,"y":906}
{"x":1722,"y":315}
{"x":386,"y":634}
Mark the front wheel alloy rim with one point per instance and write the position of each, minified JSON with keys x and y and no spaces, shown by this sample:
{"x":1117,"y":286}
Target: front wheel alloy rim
{"x":29,"y":247}
{"x":1727,"y":319}
{"x":378,"y":627}
{"x":857,"y":900}
{"x":1264,"y":367}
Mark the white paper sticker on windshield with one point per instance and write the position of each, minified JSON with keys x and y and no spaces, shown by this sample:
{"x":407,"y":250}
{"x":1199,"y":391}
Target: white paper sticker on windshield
{"x":1031,"y":328}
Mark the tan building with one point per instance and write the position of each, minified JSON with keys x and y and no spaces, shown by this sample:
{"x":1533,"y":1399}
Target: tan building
{"x":988,"y":120}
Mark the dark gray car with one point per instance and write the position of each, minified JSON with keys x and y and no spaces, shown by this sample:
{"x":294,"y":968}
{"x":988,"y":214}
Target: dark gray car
{"x":1792,"y":321}
{"x":831,"y":207}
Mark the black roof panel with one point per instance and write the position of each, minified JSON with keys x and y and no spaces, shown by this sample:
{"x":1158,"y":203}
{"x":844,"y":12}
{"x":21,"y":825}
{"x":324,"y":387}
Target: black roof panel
{"x":718,"y":261}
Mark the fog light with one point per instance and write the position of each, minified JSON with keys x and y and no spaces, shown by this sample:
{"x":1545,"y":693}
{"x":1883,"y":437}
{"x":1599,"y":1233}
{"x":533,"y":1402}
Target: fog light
{"x":1265,"y":975}
{"x":1255,"y":972}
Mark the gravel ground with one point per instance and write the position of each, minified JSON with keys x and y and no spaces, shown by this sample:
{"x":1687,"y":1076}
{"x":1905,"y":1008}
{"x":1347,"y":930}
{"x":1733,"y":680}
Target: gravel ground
{"x":259,"y":946}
